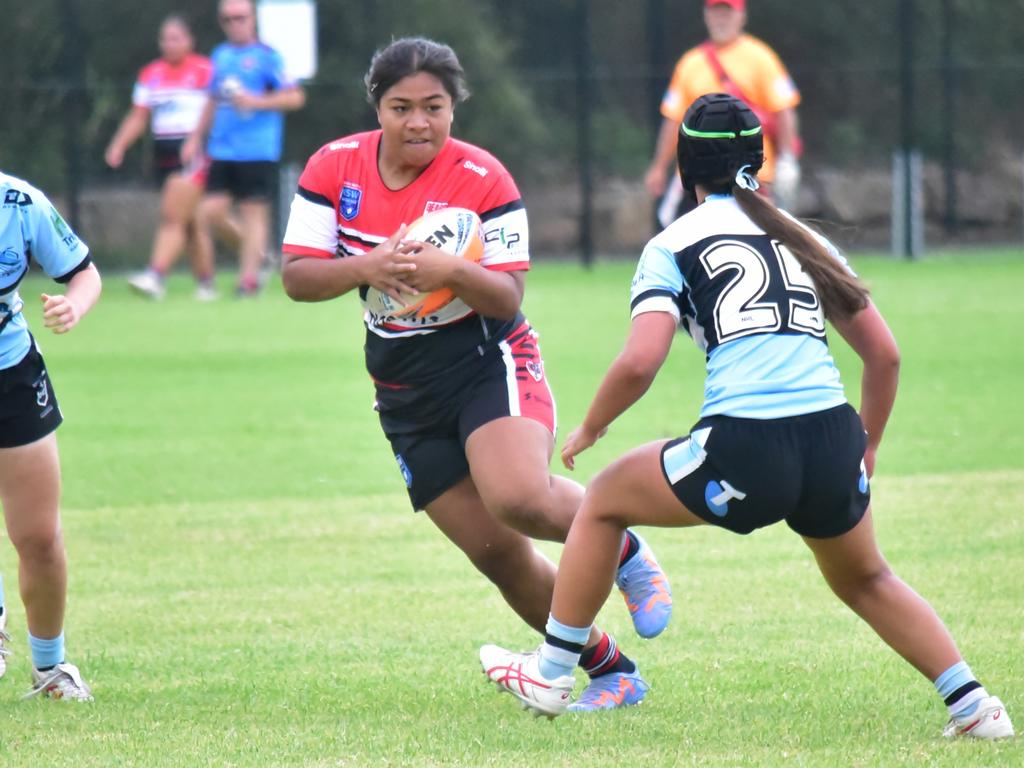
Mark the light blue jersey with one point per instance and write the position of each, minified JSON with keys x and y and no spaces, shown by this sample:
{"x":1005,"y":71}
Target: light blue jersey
{"x":242,"y":135}
{"x":30,"y":230}
{"x":748,"y":305}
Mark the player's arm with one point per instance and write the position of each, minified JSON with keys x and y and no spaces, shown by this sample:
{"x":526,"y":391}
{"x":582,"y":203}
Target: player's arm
{"x":628,"y":378}
{"x":490,"y":292}
{"x":284,"y":100}
{"x":193,"y":146}
{"x":131,"y":128}
{"x":786,"y":131}
{"x":664,"y":153}
{"x":314,"y":278}
{"x":870,"y":337}
{"x":62,"y":312}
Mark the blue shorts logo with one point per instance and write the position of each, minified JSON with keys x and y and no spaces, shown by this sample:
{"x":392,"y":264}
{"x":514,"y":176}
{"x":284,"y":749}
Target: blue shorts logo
{"x":717,"y":495}
{"x":351,"y":199}
{"x":406,"y":472}
{"x":862,"y":484}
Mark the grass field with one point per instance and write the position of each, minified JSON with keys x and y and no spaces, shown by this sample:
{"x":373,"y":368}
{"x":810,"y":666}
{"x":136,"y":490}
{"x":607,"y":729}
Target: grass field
{"x":249,"y":587}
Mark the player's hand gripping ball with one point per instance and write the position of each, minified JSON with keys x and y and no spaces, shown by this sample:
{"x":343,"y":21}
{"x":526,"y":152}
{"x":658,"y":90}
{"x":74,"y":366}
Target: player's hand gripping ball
{"x":455,"y":231}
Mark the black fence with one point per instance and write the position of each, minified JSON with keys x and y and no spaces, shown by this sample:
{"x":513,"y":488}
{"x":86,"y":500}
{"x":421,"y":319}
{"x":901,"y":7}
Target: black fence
{"x":566,"y":94}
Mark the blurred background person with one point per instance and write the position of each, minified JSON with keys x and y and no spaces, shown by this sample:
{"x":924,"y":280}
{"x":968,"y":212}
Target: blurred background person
{"x":243,"y":116}
{"x":729,"y":61}
{"x":169,"y":96}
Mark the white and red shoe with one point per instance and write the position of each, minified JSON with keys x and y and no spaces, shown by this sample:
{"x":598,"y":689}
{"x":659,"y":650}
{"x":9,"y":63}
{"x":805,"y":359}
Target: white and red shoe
{"x":988,"y":721}
{"x":519,"y":674}
{"x":63,"y":681}
{"x":4,"y":640}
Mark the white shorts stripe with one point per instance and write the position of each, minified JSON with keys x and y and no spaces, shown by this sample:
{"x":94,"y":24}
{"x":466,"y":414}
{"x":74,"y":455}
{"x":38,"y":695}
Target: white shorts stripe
{"x":684,"y":458}
{"x":511,"y":385}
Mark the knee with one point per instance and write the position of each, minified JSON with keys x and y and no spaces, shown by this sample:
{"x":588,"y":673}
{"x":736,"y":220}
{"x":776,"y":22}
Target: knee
{"x":529,"y":513}
{"x":39,"y":546}
{"x":501,"y":562}
{"x":865,"y":584}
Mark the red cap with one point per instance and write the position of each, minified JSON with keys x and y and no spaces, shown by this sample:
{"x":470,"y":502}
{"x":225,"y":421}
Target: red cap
{"x":739,"y":5}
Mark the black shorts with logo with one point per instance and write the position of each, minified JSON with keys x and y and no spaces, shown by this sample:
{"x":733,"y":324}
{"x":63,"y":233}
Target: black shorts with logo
{"x":243,"y":179}
{"x":28,"y":405}
{"x":744,"y":474}
{"x":429,"y":438}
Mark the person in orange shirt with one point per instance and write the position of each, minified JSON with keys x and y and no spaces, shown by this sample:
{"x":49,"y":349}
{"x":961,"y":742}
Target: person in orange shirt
{"x":733,"y":62}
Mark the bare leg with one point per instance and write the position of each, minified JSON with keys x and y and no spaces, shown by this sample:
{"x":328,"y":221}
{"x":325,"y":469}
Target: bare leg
{"x":509,"y":460}
{"x":631,"y":491}
{"x":177,"y":207}
{"x":30,"y":493}
{"x":255,"y":220}
{"x":523,"y":574}
{"x":859,"y":575}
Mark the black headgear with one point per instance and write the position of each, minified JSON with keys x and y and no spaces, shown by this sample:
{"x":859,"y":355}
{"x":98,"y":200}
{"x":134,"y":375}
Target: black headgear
{"x":719,"y":135}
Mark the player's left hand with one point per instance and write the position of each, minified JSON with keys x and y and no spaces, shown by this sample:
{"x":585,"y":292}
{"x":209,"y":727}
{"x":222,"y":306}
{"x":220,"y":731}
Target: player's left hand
{"x":60,"y":314}
{"x":434,"y":267}
{"x":577,"y":442}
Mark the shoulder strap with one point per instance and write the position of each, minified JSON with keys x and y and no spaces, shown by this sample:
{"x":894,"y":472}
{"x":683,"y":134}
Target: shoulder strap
{"x":708,"y":49}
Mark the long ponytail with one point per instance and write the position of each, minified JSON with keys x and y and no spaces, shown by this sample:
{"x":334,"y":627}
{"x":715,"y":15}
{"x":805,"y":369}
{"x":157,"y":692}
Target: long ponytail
{"x":841,"y":293}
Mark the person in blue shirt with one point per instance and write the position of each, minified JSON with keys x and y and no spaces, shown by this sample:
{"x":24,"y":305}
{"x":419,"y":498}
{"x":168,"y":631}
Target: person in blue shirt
{"x":243,"y":117}
{"x":31,"y":229}
{"x":776,"y":439}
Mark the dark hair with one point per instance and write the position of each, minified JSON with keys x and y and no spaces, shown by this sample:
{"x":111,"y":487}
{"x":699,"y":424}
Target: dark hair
{"x":178,"y":20}
{"x":721,"y":137}
{"x":409,"y":55}
{"x":842,"y":294}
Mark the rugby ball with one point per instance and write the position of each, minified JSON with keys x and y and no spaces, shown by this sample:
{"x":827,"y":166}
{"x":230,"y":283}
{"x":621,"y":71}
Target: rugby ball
{"x":455,"y":231}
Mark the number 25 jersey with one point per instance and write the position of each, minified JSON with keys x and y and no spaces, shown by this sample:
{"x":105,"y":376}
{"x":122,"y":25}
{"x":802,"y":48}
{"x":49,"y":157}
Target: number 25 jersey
{"x":747,"y":303}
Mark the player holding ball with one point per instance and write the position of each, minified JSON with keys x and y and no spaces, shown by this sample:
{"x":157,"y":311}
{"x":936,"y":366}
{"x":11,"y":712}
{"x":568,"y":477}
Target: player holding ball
{"x":461,"y":393}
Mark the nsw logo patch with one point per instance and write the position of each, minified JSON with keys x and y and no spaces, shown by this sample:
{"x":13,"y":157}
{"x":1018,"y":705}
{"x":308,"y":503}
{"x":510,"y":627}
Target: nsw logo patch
{"x":350,"y":201}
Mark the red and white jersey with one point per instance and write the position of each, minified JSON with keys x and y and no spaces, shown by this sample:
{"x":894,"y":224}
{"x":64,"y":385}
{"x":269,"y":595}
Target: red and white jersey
{"x":174,"y":94}
{"x":342,"y":208}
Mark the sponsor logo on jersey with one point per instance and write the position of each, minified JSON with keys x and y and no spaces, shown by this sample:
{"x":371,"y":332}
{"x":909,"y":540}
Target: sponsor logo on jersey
{"x":61,"y":228}
{"x":469,"y":165}
{"x":16,"y":197}
{"x":508,"y":239}
{"x":334,"y":146}
{"x":351,"y":200}
{"x":433,"y":205}
{"x":10,"y":262}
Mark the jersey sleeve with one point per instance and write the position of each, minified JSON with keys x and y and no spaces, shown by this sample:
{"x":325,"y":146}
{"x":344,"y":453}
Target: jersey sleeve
{"x":142,"y":93}
{"x":506,"y":231}
{"x":673,"y":103}
{"x":312,"y":222}
{"x":52,"y":243}
{"x":276,"y":76}
{"x":777,"y":89}
{"x":657,"y":283}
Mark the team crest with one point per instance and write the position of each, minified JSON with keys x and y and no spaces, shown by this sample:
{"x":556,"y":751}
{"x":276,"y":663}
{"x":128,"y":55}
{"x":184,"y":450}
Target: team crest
{"x":535,"y":369}
{"x":432,"y":206}
{"x":351,"y":199}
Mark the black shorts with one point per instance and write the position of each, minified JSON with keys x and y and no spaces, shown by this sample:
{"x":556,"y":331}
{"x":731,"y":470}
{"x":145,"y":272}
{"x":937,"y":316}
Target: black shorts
{"x":28,"y":405}
{"x":744,"y":474}
{"x":432,"y":457}
{"x":243,"y":180}
{"x":166,"y":158}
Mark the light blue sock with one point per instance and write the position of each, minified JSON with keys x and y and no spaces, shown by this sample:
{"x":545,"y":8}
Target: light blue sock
{"x":46,"y":653}
{"x":954,"y":678}
{"x":562,"y":648}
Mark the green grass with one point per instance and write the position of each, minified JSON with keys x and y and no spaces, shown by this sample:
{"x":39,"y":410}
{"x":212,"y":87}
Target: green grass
{"x":249,"y":587}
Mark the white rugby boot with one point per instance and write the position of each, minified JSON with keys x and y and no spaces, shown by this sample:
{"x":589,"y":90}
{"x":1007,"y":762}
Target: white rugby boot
{"x":988,"y":721}
{"x":64,"y":681}
{"x":4,"y":640}
{"x":519,"y":674}
{"x":147,"y":284}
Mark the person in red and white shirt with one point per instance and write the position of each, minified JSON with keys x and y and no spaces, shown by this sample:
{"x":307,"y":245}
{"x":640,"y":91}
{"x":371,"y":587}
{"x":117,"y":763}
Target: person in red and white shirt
{"x":462,"y":394}
{"x":169,"y":97}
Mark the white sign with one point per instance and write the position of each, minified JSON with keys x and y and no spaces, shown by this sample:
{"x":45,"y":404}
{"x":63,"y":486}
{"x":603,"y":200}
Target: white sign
{"x":289,"y":27}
